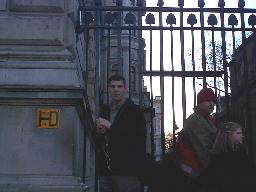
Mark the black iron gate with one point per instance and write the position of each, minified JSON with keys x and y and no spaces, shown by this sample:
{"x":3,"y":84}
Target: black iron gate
{"x":171,"y":51}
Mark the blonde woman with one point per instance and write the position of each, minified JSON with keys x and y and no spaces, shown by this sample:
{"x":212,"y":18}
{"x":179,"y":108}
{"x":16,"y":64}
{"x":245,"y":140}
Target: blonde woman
{"x":228,"y":139}
{"x":230,"y":168}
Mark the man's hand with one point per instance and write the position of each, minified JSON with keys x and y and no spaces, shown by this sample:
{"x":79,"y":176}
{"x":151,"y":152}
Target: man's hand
{"x":102,"y":125}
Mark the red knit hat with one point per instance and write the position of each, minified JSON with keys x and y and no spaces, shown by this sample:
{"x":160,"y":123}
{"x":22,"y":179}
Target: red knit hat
{"x":206,"y":94}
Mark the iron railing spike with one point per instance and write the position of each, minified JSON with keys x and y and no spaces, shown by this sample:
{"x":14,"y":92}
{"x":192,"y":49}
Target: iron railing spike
{"x":201,"y":3}
{"x":160,"y":3}
{"x":221,"y":3}
{"x":181,"y":3}
{"x":241,"y":3}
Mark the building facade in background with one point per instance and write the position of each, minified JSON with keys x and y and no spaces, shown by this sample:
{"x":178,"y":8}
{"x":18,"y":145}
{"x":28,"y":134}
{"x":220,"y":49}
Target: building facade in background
{"x":243,"y":90}
{"x":157,"y":129}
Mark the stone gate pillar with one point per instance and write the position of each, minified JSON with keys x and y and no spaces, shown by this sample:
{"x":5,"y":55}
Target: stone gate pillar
{"x":45,"y":137}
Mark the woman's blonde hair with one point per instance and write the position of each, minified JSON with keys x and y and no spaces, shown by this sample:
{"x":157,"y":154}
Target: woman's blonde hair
{"x":223,"y":142}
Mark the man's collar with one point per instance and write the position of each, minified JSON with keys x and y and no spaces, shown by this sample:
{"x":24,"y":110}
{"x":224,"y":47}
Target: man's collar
{"x":118,"y":105}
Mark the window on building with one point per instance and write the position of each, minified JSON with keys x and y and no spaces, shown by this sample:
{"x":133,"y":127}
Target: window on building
{"x":158,"y":123}
{"x":115,"y":69}
{"x":159,"y":147}
{"x":158,"y":130}
{"x":157,"y":109}
{"x":157,"y":126}
{"x":118,"y":20}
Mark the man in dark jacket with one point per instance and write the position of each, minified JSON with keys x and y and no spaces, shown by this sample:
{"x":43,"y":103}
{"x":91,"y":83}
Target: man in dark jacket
{"x":121,"y":134}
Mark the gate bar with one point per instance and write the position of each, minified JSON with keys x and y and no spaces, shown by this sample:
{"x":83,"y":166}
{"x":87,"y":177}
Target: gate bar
{"x":184,"y":73}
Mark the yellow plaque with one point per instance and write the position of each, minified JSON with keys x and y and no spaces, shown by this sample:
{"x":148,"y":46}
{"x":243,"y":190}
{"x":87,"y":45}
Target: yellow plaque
{"x":48,"y":118}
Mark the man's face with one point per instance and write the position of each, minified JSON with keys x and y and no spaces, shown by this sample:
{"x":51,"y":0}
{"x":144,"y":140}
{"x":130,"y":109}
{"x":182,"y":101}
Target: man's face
{"x":116,"y":90}
{"x":207,"y":106}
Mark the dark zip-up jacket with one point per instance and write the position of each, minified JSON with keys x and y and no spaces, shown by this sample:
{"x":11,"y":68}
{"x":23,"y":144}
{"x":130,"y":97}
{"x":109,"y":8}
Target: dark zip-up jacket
{"x":127,"y":141}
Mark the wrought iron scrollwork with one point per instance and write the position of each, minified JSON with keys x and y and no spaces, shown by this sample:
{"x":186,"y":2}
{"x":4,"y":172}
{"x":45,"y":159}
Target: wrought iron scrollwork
{"x":129,"y":19}
{"x":192,"y":19}
{"x":252,"y":20}
{"x":150,"y":19}
{"x":212,"y":20}
{"x":232,"y":20}
{"x":109,"y":18}
{"x":171,"y":20}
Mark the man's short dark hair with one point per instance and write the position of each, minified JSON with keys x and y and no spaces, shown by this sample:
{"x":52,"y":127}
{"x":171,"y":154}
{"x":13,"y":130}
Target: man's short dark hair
{"x":116,"y":78}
